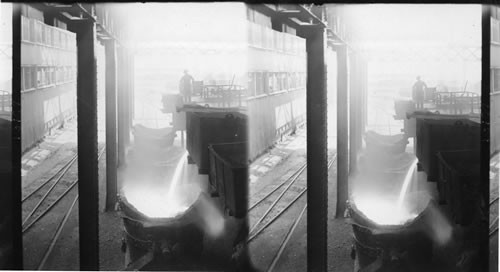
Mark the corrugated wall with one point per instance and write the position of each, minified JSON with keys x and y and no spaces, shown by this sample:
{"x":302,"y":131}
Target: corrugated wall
{"x":495,"y":84}
{"x":45,"y":109}
{"x":495,"y":122}
{"x":48,"y":67}
{"x":272,"y":116}
{"x":276,"y":73}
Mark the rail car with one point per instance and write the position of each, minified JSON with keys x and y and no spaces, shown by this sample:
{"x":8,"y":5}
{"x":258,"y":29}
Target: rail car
{"x":447,"y":145}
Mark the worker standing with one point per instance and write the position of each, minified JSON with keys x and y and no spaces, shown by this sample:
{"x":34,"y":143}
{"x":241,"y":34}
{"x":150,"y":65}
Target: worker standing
{"x":186,"y":86}
{"x":418,"y":93}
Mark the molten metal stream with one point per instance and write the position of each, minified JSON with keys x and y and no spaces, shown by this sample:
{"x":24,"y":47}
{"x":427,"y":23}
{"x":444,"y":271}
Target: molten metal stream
{"x":177,"y":175}
{"x":406,"y":183}
{"x":158,"y":202}
{"x":385,"y":209}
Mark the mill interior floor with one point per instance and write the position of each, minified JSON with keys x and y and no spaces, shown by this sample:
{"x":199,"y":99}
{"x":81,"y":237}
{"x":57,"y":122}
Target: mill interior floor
{"x":267,"y":171}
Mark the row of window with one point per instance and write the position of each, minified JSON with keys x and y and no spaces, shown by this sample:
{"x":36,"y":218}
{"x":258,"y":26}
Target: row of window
{"x":495,"y":11}
{"x":495,"y":30}
{"x":267,"y":38}
{"x":258,"y":18}
{"x":269,"y":82}
{"x":34,"y":77}
{"x":495,"y":80}
{"x":37,"y":32}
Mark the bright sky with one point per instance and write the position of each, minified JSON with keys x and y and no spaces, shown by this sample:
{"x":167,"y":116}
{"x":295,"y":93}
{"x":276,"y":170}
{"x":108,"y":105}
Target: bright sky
{"x":5,"y":38}
{"x":447,"y":23}
{"x":196,"y":22}
{"x":410,"y":29}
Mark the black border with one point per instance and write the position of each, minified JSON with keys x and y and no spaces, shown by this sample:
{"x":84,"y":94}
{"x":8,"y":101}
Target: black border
{"x":485,"y":104}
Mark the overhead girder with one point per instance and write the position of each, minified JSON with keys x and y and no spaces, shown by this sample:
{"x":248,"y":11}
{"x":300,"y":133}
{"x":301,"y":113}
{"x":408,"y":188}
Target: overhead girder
{"x":454,"y":53}
{"x":294,"y":15}
{"x":73,"y":12}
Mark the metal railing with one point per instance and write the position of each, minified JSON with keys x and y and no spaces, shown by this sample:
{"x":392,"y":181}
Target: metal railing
{"x":5,"y":102}
{"x":457,"y":101}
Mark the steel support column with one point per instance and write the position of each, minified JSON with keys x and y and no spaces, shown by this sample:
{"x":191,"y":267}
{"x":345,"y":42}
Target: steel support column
{"x":11,"y":243}
{"x":317,"y":155}
{"x":485,"y":134}
{"x":131,"y":90}
{"x":354,"y":112}
{"x":111,"y":125}
{"x":129,"y":95}
{"x":342,"y":129}
{"x":88,"y":189}
{"x":126,"y":99}
{"x":364,"y":100}
{"x":122,"y":120}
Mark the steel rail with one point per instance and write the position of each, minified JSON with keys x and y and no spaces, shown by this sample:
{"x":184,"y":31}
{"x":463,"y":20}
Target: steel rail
{"x":50,"y":207}
{"x":298,"y":172}
{"x":252,"y":237}
{"x":45,"y":196}
{"x":276,"y":216}
{"x":56,"y":235}
{"x":57,"y":200}
{"x":286,"y":240}
{"x":70,"y":162}
{"x":293,"y":180}
{"x":62,"y":224}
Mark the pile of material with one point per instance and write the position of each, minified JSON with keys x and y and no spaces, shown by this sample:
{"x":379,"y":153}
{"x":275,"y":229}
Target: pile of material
{"x":385,"y":144}
{"x":153,"y":137}
{"x":151,"y":144}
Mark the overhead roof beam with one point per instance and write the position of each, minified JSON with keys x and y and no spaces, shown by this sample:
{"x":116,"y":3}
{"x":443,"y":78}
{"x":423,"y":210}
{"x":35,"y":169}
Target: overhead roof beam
{"x":293,"y":15}
{"x":68,"y":13}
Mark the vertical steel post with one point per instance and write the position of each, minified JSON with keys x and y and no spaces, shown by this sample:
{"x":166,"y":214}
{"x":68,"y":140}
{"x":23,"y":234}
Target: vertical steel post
{"x":111,"y":125}
{"x":126,"y":99}
{"x":129,"y":92}
{"x":10,"y":171}
{"x":122,"y":85}
{"x":88,"y":189}
{"x":132,"y":89}
{"x":485,"y":132}
{"x":342,"y":129}
{"x":354,"y":111}
{"x":317,"y":155}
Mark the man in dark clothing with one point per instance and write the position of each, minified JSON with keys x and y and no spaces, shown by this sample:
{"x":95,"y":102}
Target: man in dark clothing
{"x":186,"y":86}
{"x":418,"y":93}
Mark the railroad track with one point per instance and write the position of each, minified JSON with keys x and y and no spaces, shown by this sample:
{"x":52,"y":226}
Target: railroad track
{"x":261,"y":223}
{"x":50,"y":192}
{"x":47,"y":195}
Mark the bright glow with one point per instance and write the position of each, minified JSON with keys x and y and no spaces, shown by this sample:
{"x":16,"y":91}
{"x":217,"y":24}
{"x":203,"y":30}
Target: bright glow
{"x":212,"y":220}
{"x":5,"y":46}
{"x":161,"y":201}
{"x":405,"y":24}
{"x":406,"y":183}
{"x":171,"y":37}
{"x":441,"y":43}
{"x":177,"y":174}
{"x":383,"y":210}
{"x":389,"y":210}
